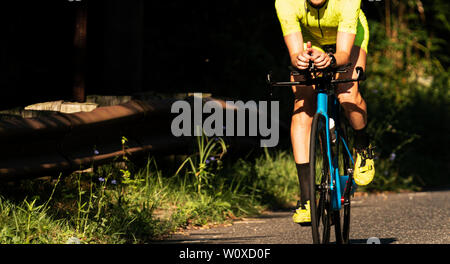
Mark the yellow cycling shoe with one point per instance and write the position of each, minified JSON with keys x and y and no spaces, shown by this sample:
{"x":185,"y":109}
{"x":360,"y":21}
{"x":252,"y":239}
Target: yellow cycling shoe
{"x":303,"y":216}
{"x":364,"y":167}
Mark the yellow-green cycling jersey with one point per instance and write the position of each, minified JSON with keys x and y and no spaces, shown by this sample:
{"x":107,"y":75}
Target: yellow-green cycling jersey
{"x":320,"y":25}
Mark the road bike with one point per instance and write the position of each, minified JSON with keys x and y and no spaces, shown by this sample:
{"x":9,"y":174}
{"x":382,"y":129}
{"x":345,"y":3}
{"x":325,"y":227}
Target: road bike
{"x":330,"y":156}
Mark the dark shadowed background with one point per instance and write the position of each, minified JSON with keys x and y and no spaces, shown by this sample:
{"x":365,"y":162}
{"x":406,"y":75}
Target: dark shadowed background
{"x":226,"y":48}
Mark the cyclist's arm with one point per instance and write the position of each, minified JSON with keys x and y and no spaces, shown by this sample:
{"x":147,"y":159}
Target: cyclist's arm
{"x":344,"y":45}
{"x":348,"y":23}
{"x":287,"y":11}
{"x":299,"y":57}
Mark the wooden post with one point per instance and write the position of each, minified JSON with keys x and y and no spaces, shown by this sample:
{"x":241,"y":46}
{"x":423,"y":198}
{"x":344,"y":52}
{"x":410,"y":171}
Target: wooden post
{"x":387,"y":6}
{"x":80,"y":39}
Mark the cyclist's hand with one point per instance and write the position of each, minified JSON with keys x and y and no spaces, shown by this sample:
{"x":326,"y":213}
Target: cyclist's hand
{"x":322,"y":61}
{"x":301,"y":61}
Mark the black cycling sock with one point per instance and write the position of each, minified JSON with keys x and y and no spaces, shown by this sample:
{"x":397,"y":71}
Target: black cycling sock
{"x":362,"y":139}
{"x":304,"y":181}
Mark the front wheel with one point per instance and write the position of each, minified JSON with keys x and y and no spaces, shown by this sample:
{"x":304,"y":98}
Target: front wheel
{"x":320,"y":182}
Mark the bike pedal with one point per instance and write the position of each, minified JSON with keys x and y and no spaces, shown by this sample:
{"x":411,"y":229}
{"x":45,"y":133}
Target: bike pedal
{"x":305,"y":224}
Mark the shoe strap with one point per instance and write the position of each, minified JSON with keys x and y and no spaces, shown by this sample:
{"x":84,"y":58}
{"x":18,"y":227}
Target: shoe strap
{"x":366,"y":153}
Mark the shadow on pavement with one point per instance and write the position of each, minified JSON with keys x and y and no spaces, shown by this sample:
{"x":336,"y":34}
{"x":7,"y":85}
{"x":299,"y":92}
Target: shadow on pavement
{"x":209,"y":240}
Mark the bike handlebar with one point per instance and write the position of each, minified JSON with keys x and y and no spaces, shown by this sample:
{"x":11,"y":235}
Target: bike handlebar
{"x":318,"y":80}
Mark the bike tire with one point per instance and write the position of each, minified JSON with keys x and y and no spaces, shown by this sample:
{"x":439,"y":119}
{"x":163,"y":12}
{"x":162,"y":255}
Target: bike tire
{"x":320,"y":199}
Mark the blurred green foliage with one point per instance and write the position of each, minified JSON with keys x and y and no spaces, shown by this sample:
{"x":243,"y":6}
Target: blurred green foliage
{"x":407,"y":94}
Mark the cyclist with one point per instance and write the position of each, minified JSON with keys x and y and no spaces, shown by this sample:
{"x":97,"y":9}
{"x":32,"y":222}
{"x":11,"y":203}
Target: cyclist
{"x":343,"y":25}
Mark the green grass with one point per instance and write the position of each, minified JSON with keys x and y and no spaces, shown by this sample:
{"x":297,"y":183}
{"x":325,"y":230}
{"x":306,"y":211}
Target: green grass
{"x":125,"y":203}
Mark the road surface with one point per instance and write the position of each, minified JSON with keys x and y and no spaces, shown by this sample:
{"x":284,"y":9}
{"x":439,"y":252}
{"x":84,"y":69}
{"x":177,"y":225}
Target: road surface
{"x":404,"y":218}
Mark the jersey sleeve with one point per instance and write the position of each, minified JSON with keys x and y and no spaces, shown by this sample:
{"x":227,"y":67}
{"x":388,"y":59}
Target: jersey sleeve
{"x":288,"y":16}
{"x":349,"y":16}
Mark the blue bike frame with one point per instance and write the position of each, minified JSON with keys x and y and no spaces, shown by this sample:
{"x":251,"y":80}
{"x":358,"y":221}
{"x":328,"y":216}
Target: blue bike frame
{"x":337,"y":182}
{"x":336,"y":186}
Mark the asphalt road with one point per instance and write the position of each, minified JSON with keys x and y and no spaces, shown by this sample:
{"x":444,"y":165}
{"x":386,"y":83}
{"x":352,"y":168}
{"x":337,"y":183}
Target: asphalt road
{"x":405,"y":218}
